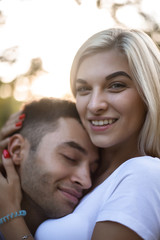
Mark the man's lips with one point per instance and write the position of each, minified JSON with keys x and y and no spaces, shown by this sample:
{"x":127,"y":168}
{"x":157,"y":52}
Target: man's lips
{"x":71,"y":194}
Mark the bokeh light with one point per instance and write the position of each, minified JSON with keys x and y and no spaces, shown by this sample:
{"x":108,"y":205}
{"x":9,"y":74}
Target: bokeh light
{"x":53,"y":30}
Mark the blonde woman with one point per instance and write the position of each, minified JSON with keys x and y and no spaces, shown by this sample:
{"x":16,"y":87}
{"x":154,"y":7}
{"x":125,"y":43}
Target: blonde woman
{"x":115,"y":78}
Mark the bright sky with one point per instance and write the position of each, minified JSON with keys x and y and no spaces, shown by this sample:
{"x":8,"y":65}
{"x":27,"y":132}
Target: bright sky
{"x":52,"y":30}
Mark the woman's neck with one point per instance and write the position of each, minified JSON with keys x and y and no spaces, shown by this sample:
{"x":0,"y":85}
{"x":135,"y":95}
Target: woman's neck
{"x":111,"y":159}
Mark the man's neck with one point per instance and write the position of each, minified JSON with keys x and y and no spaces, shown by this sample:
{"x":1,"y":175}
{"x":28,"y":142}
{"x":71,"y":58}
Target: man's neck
{"x":35,"y":216}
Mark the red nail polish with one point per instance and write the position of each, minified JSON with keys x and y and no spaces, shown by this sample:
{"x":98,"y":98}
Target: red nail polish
{"x":6,"y":153}
{"x":19,"y":124}
{"x":22,"y":116}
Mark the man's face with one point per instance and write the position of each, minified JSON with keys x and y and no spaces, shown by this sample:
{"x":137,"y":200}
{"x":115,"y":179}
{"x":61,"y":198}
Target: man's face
{"x":60,"y":169}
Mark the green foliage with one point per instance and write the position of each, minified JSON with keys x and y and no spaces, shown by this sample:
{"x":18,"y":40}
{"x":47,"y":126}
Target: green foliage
{"x":7,"y":107}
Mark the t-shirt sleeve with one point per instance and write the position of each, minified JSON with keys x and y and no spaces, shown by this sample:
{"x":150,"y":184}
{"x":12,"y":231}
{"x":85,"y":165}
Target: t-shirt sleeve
{"x":134,"y":200}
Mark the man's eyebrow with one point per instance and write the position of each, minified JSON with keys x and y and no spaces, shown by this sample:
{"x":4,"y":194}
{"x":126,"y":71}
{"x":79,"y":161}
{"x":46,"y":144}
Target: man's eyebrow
{"x":75,"y":145}
{"x":116,"y":74}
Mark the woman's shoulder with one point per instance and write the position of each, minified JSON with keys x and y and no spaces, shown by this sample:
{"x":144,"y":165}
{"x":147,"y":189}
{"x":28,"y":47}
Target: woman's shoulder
{"x":142,"y":162}
{"x":135,"y":170}
{"x":140,"y":169}
{"x":135,"y":176}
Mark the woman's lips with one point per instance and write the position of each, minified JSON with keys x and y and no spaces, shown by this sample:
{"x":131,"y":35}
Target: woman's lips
{"x":102,"y":124}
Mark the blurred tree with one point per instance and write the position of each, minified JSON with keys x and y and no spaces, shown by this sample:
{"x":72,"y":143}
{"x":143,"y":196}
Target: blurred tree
{"x":8,"y":106}
{"x":151,"y":24}
{"x":9,"y":56}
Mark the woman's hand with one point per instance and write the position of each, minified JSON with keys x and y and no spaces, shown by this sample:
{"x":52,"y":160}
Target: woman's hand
{"x":10,"y":189}
{"x":12,"y":125}
{"x":10,"y":201}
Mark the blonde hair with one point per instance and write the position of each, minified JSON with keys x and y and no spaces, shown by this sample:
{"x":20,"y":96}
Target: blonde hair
{"x":144,"y":62}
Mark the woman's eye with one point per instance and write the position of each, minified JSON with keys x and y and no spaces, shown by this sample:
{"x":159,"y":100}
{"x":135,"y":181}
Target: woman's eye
{"x":82,"y":89}
{"x":117,"y":86}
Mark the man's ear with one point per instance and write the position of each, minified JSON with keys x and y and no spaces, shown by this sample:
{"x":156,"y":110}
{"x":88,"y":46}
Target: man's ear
{"x":16,"y":148}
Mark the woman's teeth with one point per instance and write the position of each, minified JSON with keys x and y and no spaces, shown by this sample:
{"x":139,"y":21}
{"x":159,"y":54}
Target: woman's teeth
{"x":102,"y":122}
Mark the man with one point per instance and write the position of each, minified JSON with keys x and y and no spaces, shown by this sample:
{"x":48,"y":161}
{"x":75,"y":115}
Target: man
{"x":54,"y":158}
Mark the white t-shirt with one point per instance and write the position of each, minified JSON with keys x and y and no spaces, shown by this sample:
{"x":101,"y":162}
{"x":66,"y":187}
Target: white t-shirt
{"x":130,"y":196}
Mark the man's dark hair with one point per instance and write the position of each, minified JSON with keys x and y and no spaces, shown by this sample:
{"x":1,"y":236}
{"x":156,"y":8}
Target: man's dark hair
{"x":42,"y":117}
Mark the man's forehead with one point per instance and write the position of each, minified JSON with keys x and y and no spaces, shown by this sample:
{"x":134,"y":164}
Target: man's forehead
{"x":70,"y":133}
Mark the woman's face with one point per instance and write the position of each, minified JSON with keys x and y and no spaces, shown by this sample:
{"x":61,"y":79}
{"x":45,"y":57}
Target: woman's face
{"x":108,"y":102}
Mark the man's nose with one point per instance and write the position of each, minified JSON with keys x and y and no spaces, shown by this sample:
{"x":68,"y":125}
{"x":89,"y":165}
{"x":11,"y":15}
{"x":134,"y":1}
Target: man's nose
{"x":97,"y":102}
{"x":81,"y":176}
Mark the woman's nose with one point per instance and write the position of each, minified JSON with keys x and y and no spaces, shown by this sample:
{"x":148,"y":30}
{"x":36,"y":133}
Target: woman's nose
{"x":97,"y":103}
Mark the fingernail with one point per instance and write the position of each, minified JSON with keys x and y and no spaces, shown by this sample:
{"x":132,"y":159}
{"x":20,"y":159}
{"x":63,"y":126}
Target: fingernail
{"x":6,"y":153}
{"x":19,"y":124}
{"x":22,"y":116}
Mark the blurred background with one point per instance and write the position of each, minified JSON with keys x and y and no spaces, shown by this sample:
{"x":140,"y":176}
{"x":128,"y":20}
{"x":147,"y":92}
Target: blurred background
{"x":39,"y":38}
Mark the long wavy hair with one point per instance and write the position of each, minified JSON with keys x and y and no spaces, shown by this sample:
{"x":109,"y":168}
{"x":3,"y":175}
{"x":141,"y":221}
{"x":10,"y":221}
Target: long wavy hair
{"x":144,"y":62}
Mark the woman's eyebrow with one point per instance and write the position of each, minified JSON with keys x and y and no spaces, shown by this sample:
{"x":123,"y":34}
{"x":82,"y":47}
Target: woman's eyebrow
{"x":116,"y":74}
{"x":79,"y":80}
{"x":109,"y":77}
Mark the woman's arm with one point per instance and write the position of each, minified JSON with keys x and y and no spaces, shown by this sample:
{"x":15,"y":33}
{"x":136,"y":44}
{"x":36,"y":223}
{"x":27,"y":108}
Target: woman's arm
{"x":12,"y":226}
{"x":113,"y":231}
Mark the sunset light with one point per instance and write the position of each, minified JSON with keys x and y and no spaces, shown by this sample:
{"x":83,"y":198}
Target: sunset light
{"x":53,"y":31}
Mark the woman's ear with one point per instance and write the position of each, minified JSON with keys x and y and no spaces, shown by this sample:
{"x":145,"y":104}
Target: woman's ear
{"x":16,"y":148}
